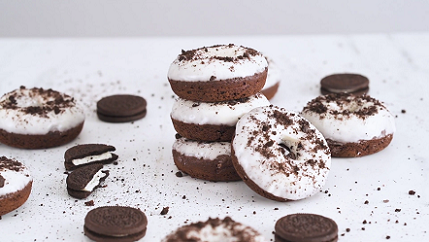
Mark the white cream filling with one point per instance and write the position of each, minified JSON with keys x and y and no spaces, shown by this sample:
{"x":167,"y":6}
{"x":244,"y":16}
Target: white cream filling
{"x":218,"y":113}
{"x":14,"y":180}
{"x":92,"y":158}
{"x":94,"y":182}
{"x":203,"y":68}
{"x":202,"y":150}
{"x":307,"y":181}
{"x":352,"y":128}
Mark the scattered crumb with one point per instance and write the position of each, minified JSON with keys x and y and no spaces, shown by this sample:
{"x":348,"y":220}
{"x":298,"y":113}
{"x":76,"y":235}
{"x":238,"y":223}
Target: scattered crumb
{"x":89,"y":203}
{"x":411,"y":192}
{"x":165,"y":210}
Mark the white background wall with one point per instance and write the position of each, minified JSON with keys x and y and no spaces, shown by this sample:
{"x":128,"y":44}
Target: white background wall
{"x":97,"y":18}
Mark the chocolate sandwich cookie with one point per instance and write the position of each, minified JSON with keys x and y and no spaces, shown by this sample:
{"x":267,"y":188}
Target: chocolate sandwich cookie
{"x":86,"y":154}
{"x":115,"y":223}
{"x":302,"y":227}
{"x":84,"y":180}
{"x":344,"y":83}
{"x":121,"y":108}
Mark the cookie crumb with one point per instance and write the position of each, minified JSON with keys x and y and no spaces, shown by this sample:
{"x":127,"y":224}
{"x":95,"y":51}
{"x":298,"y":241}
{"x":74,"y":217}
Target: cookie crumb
{"x":179,"y":174}
{"x":411,"y":192}
{"x":165,"y":210}
{"x":89,"y":203}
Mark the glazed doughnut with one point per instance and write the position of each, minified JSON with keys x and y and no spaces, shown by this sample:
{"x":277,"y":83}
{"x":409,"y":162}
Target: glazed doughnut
{"x":279,"y":154}
{"x":15,"y":184}
{"x":218,"y":73}
{"x":209,"y":161}
{"x":215,"y":229}
{"x":273,"y":80}
{"x":212,"y":121}
{"x":352,"y":125}
{"x":39,"y":118}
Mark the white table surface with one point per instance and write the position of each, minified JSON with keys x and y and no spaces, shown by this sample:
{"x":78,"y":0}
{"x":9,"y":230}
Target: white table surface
{"x":88,"y":69}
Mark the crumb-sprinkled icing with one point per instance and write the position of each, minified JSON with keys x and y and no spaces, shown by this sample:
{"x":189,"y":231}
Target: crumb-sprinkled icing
{"x":218,"y":62}
{"x":281,"y":152}
{"x":217,"y":113}
{"x":38,"y":111}
{"x":15,"y":176}
{"x":348,"y":118}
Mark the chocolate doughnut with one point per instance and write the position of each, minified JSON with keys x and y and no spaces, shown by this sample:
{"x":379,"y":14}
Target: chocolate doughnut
{"x":39,"y":118}
{"x":212,"y":121}
{"x":215,"y":229}
{"x":15,"y":184}
{"x":209,"y":161}
{"x":352,"y":125}
{"x":218,"y":73}
{"x":279,"y":154}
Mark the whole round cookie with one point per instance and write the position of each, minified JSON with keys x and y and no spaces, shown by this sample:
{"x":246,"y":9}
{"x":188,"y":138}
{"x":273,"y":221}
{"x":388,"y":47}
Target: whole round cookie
{"x":115,"y":223}
{"x":38,"y":118}
{"x":121,"y":108}
{"x":344,"y":83}
{"x":215,"y":229}
{"x":212,"y":121}
{"x":304,"y":227}
{"x":218,"y":73}
{"x":15,"y":184}
{"x":273,"y":80}
{"x":209,"y":161}
{"x":279,"y":154}
{"x":352,"y":125}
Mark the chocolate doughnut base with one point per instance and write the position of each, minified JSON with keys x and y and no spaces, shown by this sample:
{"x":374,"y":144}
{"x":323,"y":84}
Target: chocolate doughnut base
{"x":204,"y":132}
{"x":219,"y":90}
{"x":219,"y":169}
{"x":10,"y":202}
{"x":362,"y":148}
{"x":271,"y":91}
{"x":39,"y":141}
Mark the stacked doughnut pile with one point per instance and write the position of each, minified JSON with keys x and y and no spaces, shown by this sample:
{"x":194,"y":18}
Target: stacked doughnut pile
{"x":215,"y":86}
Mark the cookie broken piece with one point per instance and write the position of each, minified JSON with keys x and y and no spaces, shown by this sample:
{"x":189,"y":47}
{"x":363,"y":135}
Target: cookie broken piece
{"x":115,"y":223}
{"x":86,"y":154}
{"x":84,"y":180}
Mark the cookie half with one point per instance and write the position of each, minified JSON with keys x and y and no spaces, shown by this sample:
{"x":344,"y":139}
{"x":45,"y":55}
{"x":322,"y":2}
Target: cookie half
{"x":115,"y":223}
{"x":121,"y":108}
{"x":84,"y":180}
{"x":86,"y":154}
{"x":304,"y":227}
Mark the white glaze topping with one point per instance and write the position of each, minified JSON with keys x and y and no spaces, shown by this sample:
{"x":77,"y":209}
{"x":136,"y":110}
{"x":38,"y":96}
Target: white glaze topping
{"x":222,"y":62}
{"x":273,"y":75}
{"x":95,"y":181}
{"x":218,"y":113}
{"x":92,"y":158}
{"x":216,"y":230}
{"x":18,"y":112}
{"x":201,"y":149}
{"x":14,"y":179}
{"x":349,"y":119}
{"x":293,"y":173}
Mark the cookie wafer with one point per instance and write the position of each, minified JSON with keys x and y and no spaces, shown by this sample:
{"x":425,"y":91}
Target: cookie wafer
{"x":115,"y":223}
{"x":304,"y":227}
